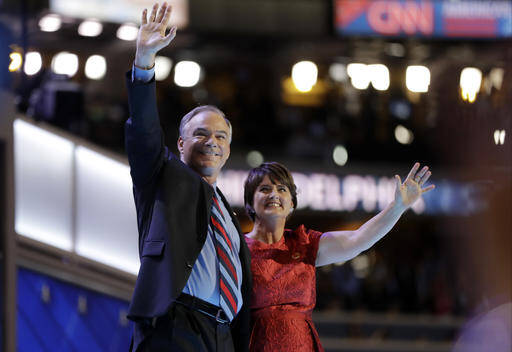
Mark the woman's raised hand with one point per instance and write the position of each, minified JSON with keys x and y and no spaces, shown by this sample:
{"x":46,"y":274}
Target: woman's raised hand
{"x":412,"y":188}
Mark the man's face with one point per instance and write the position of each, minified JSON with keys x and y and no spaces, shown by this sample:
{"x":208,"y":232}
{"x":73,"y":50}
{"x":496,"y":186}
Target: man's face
{"x":205,"y":144}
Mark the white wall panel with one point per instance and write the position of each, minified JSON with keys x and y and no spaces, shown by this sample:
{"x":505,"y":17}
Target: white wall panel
{"x":106,"y":227}
{"x":43,"y":179}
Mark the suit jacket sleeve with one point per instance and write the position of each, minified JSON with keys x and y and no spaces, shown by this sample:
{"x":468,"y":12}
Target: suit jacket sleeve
{"x":143,"y":134}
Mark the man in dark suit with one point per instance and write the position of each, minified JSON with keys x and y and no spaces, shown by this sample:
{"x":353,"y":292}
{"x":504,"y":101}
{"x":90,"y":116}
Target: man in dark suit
{"x":192,"y":291}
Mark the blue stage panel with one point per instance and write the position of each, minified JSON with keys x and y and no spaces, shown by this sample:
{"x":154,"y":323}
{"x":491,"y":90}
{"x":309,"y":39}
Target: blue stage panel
{"x":57,"y":316}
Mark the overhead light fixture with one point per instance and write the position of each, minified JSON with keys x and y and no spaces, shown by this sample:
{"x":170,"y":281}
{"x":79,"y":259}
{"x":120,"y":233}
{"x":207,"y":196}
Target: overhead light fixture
{"x":163,"y":66}
{"x":338,"y":72}
{"x":340,"y":155}
{"x":417,"y":78}
{"x":304,"y":75}
{"x":359,"y":75}
{"x":499,"y":137}
{"x":95,"y":67}
{"x":403,"y":135}
{"x":254,"y":158}
{"x":395,"y":49}
{"x":128,"y":32}
{"x":33,"y":63}
{"x":470,"y":82}
{"x":379,"y":76}
{"x":90,"y":28}
{"x":187,"y":73}
{"x":65,"y":63}
{"x":16,"y":61}
{"x":50,"y":23}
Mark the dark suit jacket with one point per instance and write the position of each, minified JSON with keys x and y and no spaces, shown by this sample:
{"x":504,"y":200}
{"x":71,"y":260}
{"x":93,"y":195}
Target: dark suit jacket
{"x":173,"y":207}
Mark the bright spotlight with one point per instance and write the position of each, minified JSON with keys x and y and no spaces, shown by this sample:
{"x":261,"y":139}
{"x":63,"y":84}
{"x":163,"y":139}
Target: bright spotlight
{"x":33,"y":63}
{"x":90,"y":28}
{"x":359,"y":75}
{"x":340,"y":155}
{"x":95,"y":67}
{"x":304,"y":75}
{"x":254,"y":158}
{"x":417,"y":78}
{"x":338,"y":72}
{"x":361,"y":265}
{"x":403,"y":135}
{"x":127,"y":31}
{"x":187,"y":73}
{"x":65,"y":63}
{"x":16,"y":61}
{"x":50,"y":23}
{"x":470,"y":82}
{"x":499,"y":137}
{"x":163,"y":67}
{"x":496,"y":77}
{"x":379,"y":75}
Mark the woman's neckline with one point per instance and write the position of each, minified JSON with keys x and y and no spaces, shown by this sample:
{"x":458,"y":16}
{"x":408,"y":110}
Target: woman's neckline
{"x":281,"y":240}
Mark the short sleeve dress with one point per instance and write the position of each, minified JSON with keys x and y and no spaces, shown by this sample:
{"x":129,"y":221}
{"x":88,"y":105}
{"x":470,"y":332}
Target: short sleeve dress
{"x":284,"y":292}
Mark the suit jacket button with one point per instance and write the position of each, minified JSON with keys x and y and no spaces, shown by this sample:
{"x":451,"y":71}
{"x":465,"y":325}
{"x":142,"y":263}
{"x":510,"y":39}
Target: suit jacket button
{"x":189,"y":265}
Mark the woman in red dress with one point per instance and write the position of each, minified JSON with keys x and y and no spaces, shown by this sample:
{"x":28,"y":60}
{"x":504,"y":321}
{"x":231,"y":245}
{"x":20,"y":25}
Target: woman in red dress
{"x":283,"y":261}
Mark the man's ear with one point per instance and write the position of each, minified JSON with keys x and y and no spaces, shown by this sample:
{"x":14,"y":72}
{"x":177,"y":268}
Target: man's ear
{"x":180,"y":144}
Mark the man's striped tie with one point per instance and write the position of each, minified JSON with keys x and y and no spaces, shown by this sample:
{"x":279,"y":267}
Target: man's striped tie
{"x":224,"y":247}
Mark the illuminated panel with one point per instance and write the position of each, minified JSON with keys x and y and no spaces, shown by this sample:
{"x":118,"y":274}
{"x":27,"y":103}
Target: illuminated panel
{"x":118,"y":11}
{"x":106,"y":222}
{"x":424,"y":18}
{"x":43,"y":178}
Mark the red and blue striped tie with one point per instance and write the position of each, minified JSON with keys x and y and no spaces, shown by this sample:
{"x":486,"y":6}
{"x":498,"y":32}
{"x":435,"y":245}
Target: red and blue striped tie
{"x":228,"y":279}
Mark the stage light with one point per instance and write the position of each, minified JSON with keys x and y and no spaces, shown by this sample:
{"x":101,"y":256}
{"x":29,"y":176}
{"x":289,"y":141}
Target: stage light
{"x":163,"y":67}
{"x":16,"y":61}
{"x":403,"y":135}
{"x":496,"y":77}
{"x":304,"y":75}
{"x":65,"y":63}
{"x":50,"y":23}
{"x":379,"y":76}
{"x":338,"y":72}
{"x":359,"y":75}
{"x":128,"y":32}
{"x":417,"y":78}
{"x":187,"y":73}
{"x":340,"y":155}
{"x":254,"y":158}
{"x":470,"y":82}
{"x":395,"y":49}
{"x":499,"y":137}
{"x":361,"y":265}
{"x":95,"y":67}
{"x":90,"y":28}
{"x":33,"y":63}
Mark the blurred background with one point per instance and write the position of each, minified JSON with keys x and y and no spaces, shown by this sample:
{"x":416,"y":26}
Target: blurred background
{"x":346,"y":93}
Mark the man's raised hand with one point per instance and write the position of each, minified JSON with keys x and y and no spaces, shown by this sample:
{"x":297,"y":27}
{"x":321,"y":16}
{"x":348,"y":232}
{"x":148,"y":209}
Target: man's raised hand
{"x":151,"y":37}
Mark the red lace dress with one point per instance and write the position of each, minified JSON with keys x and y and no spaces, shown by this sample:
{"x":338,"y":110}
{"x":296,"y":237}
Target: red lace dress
{"x":284,"y":292}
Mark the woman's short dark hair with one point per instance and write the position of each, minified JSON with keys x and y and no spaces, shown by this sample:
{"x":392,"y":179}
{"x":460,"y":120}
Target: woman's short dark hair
{"x":277,"y":173}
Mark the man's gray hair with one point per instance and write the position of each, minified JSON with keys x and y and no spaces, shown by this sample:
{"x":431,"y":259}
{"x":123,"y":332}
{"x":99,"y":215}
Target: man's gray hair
{"x":185,"y":119}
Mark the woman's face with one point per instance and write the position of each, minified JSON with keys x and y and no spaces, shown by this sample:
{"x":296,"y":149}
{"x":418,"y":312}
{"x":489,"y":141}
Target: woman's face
{"x":272,"y":200}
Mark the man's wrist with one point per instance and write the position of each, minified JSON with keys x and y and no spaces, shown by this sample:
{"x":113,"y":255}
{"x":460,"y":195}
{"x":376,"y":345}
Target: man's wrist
{"x":146,"y":68}
{"x":144,"y":62}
